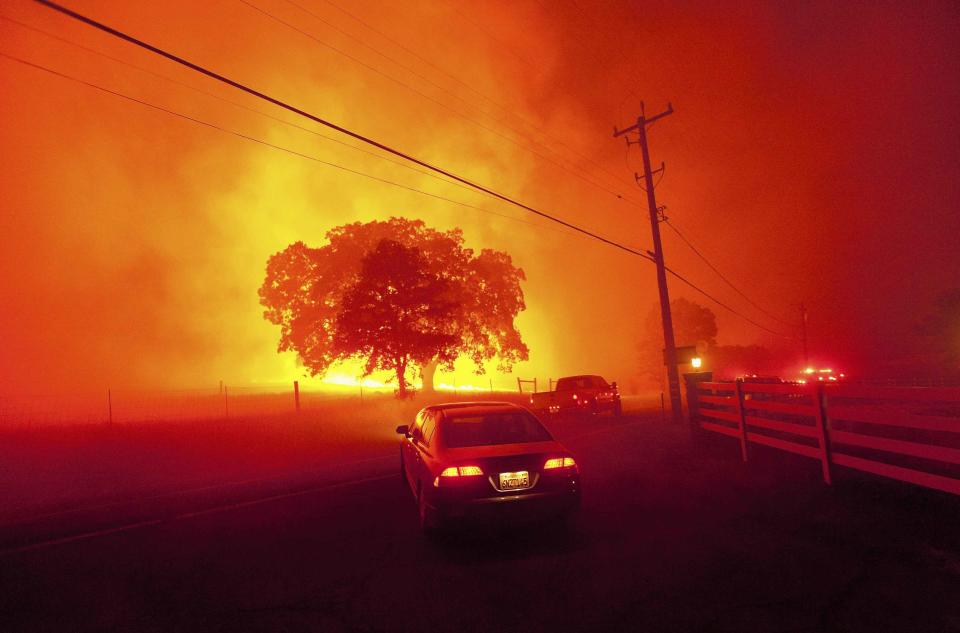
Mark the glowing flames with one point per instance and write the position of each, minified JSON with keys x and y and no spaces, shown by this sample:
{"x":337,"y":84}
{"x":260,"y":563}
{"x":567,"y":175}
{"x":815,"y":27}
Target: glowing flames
{"x":345,"y":380}
{"x":822,"y":375}
{"x":446,"y":387}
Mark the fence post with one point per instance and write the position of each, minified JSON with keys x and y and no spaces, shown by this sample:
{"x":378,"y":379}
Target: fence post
{"x":296,"y":394}
{"x":741,"y":418}
{"x":519,"y":386}
{"x":823,"y":433}
{"x":491,"y":385}
{"x":534,"y":384}
{"x":226,"y":404}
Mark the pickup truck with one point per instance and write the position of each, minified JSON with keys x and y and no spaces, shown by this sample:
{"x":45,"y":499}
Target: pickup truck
{"x":591,"y":394}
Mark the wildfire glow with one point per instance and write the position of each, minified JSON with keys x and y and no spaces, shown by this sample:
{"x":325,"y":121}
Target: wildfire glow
{"x":350,"y":381}
{"x":825,"y":374}
{"x":346,"y":380}
{"x":446,"y":387}
{"x":156,"y":229}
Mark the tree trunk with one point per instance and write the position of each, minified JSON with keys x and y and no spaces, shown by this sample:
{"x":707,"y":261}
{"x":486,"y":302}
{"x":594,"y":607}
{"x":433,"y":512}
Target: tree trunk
{"x":427,"y":372}
{"x":402,"y":380}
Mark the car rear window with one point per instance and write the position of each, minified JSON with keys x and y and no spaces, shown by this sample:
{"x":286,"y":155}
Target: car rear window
{"x":493,"y":428}
{"x":581,"y":382}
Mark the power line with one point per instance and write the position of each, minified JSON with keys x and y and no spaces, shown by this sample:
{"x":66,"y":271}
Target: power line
{"x":405,"y":48}
{"x":502,"y":120}
{"x":447,"y":107}
{"x":287,"y":150}
{"x":235,"y":84}
{"x":457,"y":80}
{"x":399,"y":163}
{"x":211,"y":95}
{"x":722,"y":304}
{"x":286,"y":106}
{"x":723,"y":277}
{"x":281,"y":148}
{"x":234,"y":103}
{"x":495,"y":38}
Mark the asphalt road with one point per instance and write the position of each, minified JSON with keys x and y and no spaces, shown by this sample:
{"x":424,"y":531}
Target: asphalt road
{"x":676,"y":535}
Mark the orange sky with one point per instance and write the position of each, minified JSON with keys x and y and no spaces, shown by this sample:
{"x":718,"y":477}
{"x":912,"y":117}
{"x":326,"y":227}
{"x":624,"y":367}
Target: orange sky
{"x":812,"y":156}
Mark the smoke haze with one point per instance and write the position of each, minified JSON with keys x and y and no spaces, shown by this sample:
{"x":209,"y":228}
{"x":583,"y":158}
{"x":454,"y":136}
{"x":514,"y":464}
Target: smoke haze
{"x":812,"y":157}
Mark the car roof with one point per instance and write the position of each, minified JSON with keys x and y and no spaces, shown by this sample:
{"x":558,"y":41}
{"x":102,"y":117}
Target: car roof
{"x":579,"y":377}
{"x":762,"y":379}
{"x":474,"y":407}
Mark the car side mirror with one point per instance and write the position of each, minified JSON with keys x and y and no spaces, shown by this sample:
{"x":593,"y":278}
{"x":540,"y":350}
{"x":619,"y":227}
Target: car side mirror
{"x":403,"y":429}
{"x":614,"y":385}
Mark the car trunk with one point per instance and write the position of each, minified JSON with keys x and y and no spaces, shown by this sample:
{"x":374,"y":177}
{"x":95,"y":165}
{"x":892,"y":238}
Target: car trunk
{"x":508,"y":458}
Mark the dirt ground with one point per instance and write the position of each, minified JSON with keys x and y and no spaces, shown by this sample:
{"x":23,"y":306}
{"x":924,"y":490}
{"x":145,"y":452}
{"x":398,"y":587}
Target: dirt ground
{"x":304,"y":525}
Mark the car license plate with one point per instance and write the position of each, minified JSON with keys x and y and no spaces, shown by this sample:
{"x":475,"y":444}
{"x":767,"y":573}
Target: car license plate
{"x":514,"y":481}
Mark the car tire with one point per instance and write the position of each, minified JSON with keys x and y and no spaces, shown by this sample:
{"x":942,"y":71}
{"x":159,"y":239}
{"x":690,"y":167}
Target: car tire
{"x":403,"y":470}
{"x":618,"y":409}
{"x":428,"y":521}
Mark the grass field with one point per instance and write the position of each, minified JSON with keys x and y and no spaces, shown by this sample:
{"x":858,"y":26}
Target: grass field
{"x":55,"y":467}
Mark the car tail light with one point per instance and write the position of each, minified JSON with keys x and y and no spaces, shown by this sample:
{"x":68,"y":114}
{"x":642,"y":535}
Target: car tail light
{"x":559,"y":462}
{"x":458,"y":471}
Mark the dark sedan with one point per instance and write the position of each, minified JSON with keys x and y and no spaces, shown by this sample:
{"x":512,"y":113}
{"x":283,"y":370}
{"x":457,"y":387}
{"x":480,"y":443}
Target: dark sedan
{"x":486,"y":460}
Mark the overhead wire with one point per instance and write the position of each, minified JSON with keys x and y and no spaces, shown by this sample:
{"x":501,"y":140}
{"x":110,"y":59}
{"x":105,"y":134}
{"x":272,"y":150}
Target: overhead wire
{"x":502,"y":120}
{"x":721,"y":303}
{"x":275,"y":146}
{"x":399,"y":163}
{"x":453,"y":77}
{"x":253,"y":139}
{"x":495,"y":38}
{"x":299,"y":111}
{"x":277,"y":102}
{"x":724,"y":277}
{"x":466,"y":117}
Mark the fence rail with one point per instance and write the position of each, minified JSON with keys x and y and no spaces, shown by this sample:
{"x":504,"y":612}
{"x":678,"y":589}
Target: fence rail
{"x":223,"y":401}
{"x":911,"y":434}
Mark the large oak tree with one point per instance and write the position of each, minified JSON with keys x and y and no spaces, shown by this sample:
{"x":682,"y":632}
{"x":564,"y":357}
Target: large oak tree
{"x":309,"y":293}
{"x":397,"y":314}
{"x":693,"y":324}
{"x":940,"y":329}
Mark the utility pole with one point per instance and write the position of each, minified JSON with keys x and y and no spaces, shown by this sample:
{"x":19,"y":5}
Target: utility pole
{"x":803,"y":323}
{"x":669,"y":346}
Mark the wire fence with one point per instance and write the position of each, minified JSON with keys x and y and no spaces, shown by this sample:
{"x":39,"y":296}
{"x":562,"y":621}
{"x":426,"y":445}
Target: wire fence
{"x":223,"y":401}
{"x":130,"y":405}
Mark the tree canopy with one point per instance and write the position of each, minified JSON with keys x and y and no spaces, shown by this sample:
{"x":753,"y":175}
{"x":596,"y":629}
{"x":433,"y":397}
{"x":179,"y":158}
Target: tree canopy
{"x":692,"y":324}
{"x":397,"y":294}
{"x":941,"y":329}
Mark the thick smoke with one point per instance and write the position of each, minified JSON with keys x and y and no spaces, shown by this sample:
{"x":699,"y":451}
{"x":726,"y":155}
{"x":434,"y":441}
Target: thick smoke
{"x":808,"y":157}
